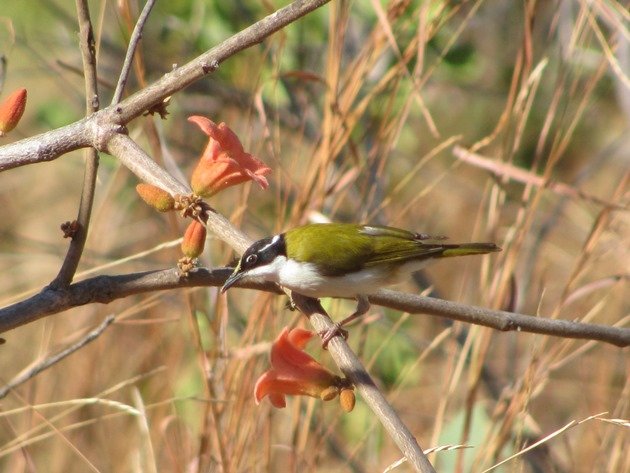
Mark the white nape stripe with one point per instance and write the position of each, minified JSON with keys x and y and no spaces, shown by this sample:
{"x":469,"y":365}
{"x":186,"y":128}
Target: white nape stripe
{"x":273,"y":241}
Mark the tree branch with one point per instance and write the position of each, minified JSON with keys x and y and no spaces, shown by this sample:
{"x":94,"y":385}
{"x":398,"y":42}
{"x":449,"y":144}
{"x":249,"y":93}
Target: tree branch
{"x":105,"y":289}
{"x":353,"y":369}
{"x":206,"y":63}
{"x":501,"y":320}
{"x":48,"y":146}
{"x":140,"y":163}
{"x":77,"y":242}
{"x":98,"y":129}
{"x":134,"y":41}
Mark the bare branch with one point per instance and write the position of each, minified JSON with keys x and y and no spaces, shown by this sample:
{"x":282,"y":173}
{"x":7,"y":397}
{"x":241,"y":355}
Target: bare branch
{"x":105,"y":289}
{"x":206,"y":63}
{"x":353,"y":369}
{"x":131,"y":49}
{"x":47,"y":146}
{"x":141,"y":164}
{"x":501,"y":320}
{"x":100,"y":127}
{"x":77,"y":242}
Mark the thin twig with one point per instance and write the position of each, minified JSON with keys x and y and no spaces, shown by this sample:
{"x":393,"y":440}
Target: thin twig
{"x":136,"y":35}
{"x":56,"y":358}
{"x":78,"y":238}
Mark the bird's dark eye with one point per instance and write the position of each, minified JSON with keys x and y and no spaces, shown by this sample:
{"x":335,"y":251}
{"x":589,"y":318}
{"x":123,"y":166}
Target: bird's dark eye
{"x":251,"y":259}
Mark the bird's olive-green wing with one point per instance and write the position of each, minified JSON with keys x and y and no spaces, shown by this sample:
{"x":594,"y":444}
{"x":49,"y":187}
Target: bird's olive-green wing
{"x":392,"y":245}
{"x":341,"y":248}
{"x":334,"y":248}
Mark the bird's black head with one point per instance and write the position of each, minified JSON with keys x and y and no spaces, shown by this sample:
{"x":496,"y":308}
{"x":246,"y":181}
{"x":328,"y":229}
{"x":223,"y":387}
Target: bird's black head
{"x":262,"y":253}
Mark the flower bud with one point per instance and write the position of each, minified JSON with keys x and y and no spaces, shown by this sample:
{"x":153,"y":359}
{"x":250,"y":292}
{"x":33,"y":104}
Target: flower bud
{"x":157,"y":198}
{"x":11,"y":111}
{"x":194,"y":239}
{"x":329,"y":393}
{"x":347,"y":399}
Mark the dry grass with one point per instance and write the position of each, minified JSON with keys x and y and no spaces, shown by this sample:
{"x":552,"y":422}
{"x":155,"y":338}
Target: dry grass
{"x":367,"y":134}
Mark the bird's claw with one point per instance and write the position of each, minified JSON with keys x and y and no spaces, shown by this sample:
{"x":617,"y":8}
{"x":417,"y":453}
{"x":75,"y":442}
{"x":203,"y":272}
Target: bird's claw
{"x":290,"y":305}
{"x":329,"y":334}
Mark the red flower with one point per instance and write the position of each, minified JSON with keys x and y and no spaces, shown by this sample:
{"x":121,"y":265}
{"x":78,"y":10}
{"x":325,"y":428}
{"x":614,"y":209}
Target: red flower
{"x":224,"y":162}
{"x":294,"y":372}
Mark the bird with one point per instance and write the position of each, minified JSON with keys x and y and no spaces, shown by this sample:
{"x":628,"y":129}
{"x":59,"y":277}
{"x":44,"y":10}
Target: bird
{"x":344,"y":260}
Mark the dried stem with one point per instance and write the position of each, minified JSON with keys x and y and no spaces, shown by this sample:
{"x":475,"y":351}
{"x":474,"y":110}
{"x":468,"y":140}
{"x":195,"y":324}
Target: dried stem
{"x":501,"y":169}
{"x":56,"y":358}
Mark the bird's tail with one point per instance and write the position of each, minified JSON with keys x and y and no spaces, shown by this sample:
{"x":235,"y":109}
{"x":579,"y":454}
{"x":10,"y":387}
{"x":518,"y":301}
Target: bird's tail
{"x":468,"y":249}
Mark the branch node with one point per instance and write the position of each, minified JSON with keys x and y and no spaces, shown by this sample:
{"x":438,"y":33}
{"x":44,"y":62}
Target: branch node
{"x":185,"y":265}
{"x":210,"y":67}
{"x":121,"y":129}
{"x":101,"y":131}
{"x":70,"y":229}
{"x":160,"y":108}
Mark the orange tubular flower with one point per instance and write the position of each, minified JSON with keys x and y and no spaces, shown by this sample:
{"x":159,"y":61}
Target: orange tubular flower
{"x":224,"y":162}
{"x":294,"y":372}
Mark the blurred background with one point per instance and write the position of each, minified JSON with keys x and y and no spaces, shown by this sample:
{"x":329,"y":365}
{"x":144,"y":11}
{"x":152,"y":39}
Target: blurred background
{"x":366,"y":112}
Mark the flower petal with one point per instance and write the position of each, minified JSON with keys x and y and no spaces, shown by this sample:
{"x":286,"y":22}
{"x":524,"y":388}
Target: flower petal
{"x":294,"y":372}
{"x":278,"y":400}
{"x":206,"y":125}
{"x":259,"y":179}
{"x":224,"y":163}
{"x":299,"y":337}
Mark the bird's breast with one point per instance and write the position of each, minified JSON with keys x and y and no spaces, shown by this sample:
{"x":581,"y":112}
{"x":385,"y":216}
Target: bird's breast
{"x":306,"y":279}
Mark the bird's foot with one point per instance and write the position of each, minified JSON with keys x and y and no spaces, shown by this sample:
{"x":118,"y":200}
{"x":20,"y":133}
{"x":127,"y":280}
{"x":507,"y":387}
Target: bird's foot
{"x":290,"y":305}
{"x":332,"y":332}
{"x":327,"y":335}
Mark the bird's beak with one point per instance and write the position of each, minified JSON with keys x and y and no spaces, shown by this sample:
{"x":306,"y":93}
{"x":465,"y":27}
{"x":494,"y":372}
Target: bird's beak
{"x":233,"y":279}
